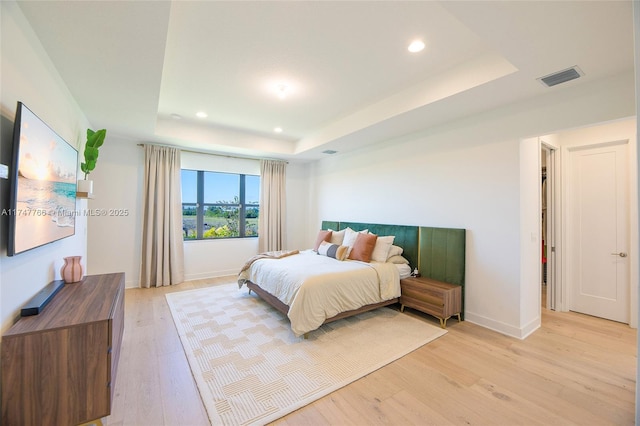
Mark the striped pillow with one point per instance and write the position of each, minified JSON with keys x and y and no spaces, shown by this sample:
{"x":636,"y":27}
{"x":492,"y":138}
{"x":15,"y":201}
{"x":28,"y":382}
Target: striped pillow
{"x":332,"y":250}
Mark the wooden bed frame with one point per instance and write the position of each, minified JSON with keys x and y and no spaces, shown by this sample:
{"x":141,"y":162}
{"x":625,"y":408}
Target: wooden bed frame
{"x":440,"y":250}
{"x":276,"y":303}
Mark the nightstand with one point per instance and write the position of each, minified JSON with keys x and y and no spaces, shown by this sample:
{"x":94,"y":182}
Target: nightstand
{"x":437,"y":298}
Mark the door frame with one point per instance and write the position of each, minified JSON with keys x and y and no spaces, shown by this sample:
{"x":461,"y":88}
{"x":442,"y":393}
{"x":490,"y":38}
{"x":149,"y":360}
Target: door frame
{"x":530,"y":218}
{"x":598,"y":135}
{"x":554,"y":281}
{"x":562,"y":141}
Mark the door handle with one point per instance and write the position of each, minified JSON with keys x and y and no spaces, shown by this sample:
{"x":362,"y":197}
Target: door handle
{"x":621,"y":254}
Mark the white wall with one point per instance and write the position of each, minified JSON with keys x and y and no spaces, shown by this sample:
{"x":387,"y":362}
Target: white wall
{"x":436,"y":181}
{"x":531,"y":238}
{"x":115,"y":241}
{"x":28,"y":75}
{"x":636,"y":34}
{"x":467,"y":174}
{"x":299,"y":204}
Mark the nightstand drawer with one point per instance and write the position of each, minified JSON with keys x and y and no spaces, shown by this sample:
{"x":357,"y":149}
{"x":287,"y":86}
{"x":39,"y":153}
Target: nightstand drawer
{"x":436,"y":298}
{"x":419,"y":295}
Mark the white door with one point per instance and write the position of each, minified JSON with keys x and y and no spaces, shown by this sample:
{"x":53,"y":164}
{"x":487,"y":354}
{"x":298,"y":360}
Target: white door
{"x":598,"y":231}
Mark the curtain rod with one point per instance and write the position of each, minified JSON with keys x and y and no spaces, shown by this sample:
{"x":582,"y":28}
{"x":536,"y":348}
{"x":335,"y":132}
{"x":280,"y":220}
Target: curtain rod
{"x":211,"y":153}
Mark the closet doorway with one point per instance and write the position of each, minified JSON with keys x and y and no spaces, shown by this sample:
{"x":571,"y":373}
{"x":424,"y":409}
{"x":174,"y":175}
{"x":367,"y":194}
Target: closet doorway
{"x":548,"y":259}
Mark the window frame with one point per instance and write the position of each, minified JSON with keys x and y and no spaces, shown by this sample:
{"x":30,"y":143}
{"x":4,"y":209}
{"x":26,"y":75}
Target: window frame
{"x":201,"y":206}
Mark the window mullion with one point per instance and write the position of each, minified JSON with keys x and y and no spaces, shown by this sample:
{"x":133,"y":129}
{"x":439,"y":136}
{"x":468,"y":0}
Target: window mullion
{"x":242,"y":213}
{"x":200,"y":205}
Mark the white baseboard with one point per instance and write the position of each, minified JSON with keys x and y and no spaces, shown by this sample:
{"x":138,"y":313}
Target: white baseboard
{"x":131,"y":283}
{"x":191,"y":277}
{"x":211,"y":274}
{"x":501,"y":327}
{"x":528,"y":329}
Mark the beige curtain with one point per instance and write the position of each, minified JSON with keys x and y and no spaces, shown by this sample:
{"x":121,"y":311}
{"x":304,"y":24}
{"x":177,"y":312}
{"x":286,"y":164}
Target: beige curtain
{"x":162,"y":249}
{"x":271,"y":221}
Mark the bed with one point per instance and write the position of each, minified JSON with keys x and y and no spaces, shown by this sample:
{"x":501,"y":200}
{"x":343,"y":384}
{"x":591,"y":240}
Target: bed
{"x":313,"y":288}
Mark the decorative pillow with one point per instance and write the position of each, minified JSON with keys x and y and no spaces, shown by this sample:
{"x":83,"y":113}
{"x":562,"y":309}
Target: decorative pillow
{"x":381,"y":250}
{"x":350,"y":238}
{"x":363,"y":247}
{"x":397,"y":259}
{"x":337,"y":236}
{"x":322,"y":236}
{"x":332,"y":250}
{"x":403,"y":270}
{"x":395,"y":251}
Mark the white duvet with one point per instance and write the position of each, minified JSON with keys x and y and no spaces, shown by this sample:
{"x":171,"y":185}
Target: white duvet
{"x":318,"y":287}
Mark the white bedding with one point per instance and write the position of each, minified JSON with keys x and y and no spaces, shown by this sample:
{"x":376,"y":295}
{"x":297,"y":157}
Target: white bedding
{"x":318,"y":287}
{"x":404,"y":270}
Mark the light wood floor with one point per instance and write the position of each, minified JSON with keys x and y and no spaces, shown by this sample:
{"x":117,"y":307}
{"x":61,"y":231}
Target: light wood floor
{"x":576,"y":369}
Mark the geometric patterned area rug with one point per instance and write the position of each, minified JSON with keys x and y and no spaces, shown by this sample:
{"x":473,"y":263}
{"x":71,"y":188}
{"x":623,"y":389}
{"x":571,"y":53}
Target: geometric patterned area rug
{"x":249,"y":367}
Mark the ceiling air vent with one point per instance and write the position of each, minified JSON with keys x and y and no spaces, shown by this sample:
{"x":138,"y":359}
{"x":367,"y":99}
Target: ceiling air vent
{"x":329,"y":151}
{"x":561,"y":76}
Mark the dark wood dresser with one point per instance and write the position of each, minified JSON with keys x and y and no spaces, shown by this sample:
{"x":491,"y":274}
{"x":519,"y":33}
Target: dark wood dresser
{"x":437,"y":298}
{"x":59,"y":367}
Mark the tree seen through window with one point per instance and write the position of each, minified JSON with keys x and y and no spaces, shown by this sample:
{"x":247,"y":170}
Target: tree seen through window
{"x":219,"y":205}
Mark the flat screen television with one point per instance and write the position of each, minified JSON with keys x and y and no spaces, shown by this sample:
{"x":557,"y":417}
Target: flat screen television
{"x":43,"y":172}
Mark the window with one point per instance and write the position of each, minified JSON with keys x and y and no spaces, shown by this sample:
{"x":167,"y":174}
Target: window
{"x":213,"y":204}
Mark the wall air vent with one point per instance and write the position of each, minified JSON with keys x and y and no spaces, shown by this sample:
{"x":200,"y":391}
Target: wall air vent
{"x":329,"y":151}
{"x":561,"y":76}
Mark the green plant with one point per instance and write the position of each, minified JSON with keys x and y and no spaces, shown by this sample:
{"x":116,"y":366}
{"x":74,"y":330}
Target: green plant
{"x":221,"y":232}
{"x":94,"y":141}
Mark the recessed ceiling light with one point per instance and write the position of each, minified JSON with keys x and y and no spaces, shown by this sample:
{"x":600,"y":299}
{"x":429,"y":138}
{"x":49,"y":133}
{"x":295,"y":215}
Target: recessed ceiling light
{"x":281,"y":86}
{"x":176,"y":116}
{"x":282,"y":90}
{"x":278,"y":129}
{"x":201,"y":114}
{"x":416,"y":46}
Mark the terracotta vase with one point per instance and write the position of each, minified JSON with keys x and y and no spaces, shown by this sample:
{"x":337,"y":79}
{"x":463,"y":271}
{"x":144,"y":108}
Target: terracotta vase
{"x":71,"y":271}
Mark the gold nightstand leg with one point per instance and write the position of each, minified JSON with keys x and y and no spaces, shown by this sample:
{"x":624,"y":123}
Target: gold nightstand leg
{"x":443,"y":322}
{"x":96,"y":422}
{"x":459,"y":317}
{"x":401,"y":308}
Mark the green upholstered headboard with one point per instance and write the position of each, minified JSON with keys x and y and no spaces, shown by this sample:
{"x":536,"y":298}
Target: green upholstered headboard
{"x":442,"y":255}
{"x":438,"y":253}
